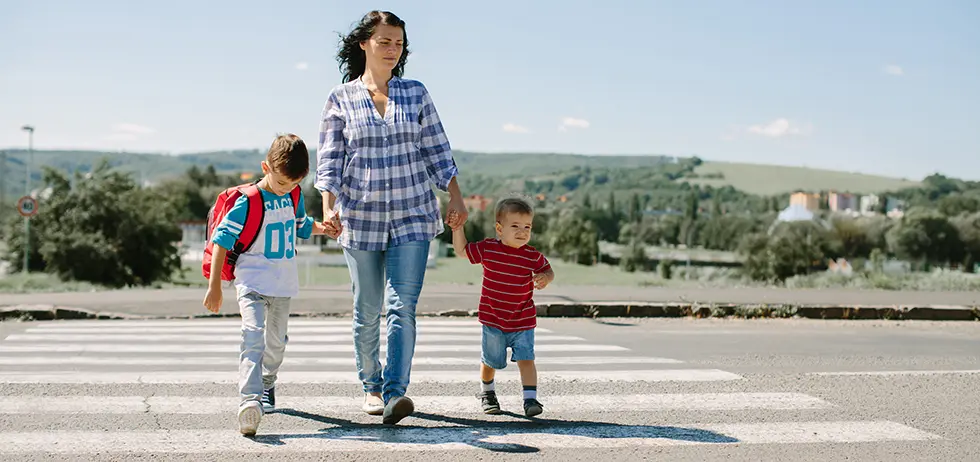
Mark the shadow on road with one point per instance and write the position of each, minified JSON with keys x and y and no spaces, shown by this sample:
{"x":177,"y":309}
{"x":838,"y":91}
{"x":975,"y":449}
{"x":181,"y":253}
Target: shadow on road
{"x":612,"y":323}
{"x":480,"y":433}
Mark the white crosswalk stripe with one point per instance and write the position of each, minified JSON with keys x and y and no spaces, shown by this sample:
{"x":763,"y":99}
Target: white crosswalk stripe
{"x":139,"y":369}
{"x":439,"y":404}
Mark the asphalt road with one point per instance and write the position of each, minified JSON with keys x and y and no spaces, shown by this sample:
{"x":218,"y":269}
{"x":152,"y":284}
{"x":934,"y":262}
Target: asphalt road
{"x":442,"y":297}
{"x":613,"y":389}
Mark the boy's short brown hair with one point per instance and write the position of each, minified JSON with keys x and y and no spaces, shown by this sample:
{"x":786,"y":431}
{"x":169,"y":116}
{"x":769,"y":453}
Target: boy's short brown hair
{"x":289,"y":157}
{"x":513,"y":205}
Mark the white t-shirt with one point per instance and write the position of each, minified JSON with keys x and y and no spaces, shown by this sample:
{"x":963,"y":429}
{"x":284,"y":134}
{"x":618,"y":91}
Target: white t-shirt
{"x":269,"y":266}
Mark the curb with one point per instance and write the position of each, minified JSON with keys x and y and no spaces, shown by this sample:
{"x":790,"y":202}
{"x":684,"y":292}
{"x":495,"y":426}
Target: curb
{"x":583,"y":310}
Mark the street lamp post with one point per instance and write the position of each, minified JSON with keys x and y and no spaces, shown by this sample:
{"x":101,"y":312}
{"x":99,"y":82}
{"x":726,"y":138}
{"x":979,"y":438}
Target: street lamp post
{"x":27,"y":186}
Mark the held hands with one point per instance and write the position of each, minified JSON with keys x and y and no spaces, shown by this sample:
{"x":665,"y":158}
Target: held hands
{"x":323,"y":228}
{"x":456,"y":214}
{"x":212,"y":301}
{"x":331,"y":225}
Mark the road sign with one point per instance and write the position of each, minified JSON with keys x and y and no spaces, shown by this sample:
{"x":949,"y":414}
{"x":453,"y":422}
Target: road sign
{"x":27,"y":206}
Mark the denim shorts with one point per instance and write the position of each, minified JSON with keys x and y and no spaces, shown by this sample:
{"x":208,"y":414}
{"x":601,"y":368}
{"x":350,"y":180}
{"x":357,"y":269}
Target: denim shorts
{"x":496,"y":342}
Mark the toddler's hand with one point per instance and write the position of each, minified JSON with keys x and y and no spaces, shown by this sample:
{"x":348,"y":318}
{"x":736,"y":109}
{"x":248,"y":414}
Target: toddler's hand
{"x":541,"y":280}
{"x":452,"y":219}
{"x":212,"y":301}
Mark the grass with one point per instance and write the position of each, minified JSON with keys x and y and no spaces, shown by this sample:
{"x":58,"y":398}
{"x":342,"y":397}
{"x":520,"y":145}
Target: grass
{"x":774,"y":179}
{"x":41,"y":282}
{"x":936,"y":281}
{"x":459,"y":271}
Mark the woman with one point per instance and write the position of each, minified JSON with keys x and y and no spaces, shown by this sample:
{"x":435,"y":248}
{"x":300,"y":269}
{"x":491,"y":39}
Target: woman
{"x":381,"y":149}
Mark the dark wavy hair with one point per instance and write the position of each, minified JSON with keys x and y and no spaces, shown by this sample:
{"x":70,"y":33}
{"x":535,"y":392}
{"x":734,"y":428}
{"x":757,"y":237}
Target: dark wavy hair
{"x":351,"y":57}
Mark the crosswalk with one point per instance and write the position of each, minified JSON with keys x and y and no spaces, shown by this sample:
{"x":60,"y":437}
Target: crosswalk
{"x":77,"y":388}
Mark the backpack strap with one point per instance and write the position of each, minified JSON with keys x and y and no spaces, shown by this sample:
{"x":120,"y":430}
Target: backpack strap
{"x":253,"y":219}
{"x":294,"y":195}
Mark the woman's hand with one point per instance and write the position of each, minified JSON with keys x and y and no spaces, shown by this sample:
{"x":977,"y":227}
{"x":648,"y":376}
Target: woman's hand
{"x":456,"y":213}
{"x":332,"y":224}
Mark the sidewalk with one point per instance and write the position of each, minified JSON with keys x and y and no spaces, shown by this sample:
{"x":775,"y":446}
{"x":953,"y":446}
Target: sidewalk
{"x":435,"y":298}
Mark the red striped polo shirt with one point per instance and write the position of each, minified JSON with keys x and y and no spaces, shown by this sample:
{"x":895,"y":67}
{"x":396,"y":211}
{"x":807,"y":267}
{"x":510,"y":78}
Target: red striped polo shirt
{"x":506,"y":299}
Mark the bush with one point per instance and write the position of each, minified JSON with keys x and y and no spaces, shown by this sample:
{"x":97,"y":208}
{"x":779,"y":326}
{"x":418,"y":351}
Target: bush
{"x":573,"y":238}
{"x":793,"y":248}
{"x":926,"y":237}
{"x":635,"y":258}
{"x":104,"y":230}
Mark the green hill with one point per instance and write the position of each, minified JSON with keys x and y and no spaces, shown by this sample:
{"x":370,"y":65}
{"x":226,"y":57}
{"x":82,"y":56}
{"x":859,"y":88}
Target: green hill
{"x":774,"y":179}
{"x":505,"y":171}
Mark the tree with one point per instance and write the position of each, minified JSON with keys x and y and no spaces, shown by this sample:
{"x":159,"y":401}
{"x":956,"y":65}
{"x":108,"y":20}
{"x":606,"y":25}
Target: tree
{"x":587,"y":202}
{"x":105,"y":230}
{"x":793,"y":248}
{"x":573,"y":238}
{"x":210,"y":176}
{"x":635,"y":212}
{"x":634,"y":258}
{"x":691,"y":207}
{"x":724,"y":232}
{"x":925,"y":237}
{"x":968,"y":227}
{"x":314,"y":202}
{"x":186,"y":198}
{"x":716,"y":206}
{"x":195,"y":175}
{"x":957,"y":204}
{"x":774,"y":204}
{"x":852,"y":237}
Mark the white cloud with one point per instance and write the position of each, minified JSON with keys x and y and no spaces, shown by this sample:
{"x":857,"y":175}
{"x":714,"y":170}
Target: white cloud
{"x":128,"y":132}
{"x":779,"y":128}
{"x":514,"y":128}
{"x":121,"y":137}
{"x":133,"y":129}
{"x":893,"y":69}
{"x":571,"y":122}
{"x":302,"y":66}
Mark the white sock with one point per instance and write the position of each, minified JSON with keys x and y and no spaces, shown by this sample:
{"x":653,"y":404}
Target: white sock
{"x":485,"y":386}
{"x":530,"y":392}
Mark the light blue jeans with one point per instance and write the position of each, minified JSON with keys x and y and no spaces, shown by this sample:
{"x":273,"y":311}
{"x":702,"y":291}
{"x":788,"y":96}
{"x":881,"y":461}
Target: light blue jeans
{"x":264,"y":322}
{"x":392,"y":277}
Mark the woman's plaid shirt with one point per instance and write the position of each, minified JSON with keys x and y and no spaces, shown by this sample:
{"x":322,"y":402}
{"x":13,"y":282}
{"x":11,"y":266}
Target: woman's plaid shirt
{"x":382,"y":169}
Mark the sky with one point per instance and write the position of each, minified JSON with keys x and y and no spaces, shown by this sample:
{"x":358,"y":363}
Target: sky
{"x":876,"y":86}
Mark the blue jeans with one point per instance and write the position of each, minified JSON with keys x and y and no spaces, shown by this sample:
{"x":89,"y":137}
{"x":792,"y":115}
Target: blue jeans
{"x":393,"y":277}
{"x":496,"y":342}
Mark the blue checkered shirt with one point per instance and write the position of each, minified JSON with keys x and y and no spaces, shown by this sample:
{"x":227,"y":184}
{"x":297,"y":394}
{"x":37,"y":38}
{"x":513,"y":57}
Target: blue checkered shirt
{"x":382,"y":169}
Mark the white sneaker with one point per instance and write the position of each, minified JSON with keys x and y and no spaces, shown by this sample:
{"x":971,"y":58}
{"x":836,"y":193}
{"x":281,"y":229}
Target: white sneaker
{"x":373,"y":405}
{"x":249,"y":416}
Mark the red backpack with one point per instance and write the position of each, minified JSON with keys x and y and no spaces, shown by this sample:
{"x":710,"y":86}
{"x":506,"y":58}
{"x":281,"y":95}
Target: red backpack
{"x":250,"y":229}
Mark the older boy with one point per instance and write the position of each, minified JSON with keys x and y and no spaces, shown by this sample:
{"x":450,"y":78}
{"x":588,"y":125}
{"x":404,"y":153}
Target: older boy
{"x":266,"y":275}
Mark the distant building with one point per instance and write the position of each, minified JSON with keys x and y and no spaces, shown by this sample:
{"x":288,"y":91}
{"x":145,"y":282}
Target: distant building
{"x":869,"y":204}
{"x":807,"y":201}
{"x":842,"y":202}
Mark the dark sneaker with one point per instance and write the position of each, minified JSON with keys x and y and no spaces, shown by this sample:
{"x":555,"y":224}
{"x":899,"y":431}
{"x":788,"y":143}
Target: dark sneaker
{"x":532,"y":407}
{"x":269,"y":400}
{"x":397,"y":409}
{"x":489,"y":401}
